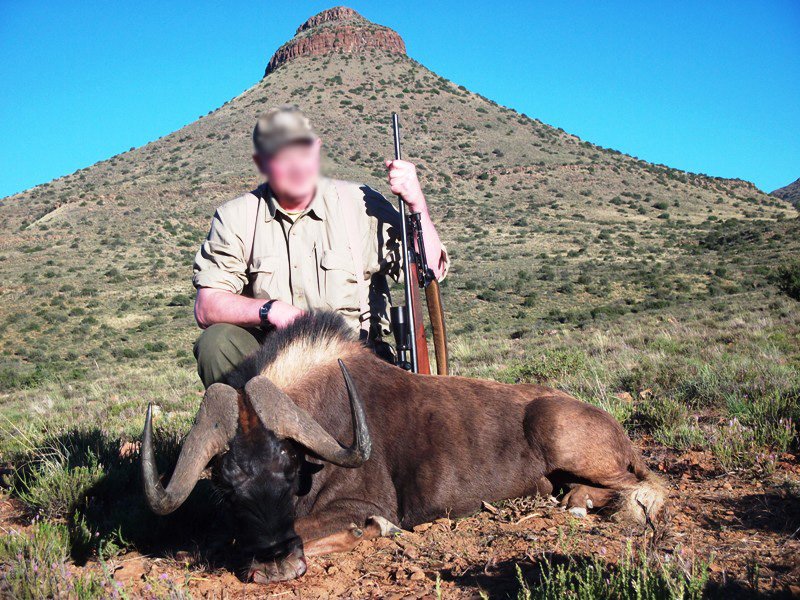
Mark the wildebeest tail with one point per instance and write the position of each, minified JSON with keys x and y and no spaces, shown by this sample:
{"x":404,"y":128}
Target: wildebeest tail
{"x":645,"y":502}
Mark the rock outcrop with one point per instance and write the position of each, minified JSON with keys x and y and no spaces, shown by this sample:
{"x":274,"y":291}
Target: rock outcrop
{"x":338,"y":29}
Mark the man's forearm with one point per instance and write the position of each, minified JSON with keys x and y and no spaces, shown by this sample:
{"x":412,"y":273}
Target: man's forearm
{"x":433,"y":245}
{"x":219,"y":306}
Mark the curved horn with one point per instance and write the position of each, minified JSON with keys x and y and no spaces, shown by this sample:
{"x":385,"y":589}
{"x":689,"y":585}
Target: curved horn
{"x":214,"y":425}
{"x":278,"y":412}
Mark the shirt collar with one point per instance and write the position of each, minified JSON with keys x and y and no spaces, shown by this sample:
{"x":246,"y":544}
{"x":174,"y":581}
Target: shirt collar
{"x":318,"y":208}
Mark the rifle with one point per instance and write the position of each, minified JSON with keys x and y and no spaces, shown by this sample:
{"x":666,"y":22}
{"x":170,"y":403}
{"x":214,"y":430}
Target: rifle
{"x":407,"y":323}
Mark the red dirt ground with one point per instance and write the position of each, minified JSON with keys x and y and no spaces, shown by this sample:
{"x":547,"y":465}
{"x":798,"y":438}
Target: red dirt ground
{"x":731,"y":521}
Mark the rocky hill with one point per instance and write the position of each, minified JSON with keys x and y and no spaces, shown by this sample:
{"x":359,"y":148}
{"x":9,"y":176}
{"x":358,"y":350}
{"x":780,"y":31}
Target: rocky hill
{"x":546,"y":230}
{"x":790,"y":193}
{"x":338,"y":29}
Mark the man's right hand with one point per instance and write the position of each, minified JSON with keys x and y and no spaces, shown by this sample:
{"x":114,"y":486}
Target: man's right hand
{"x":282,"y":314}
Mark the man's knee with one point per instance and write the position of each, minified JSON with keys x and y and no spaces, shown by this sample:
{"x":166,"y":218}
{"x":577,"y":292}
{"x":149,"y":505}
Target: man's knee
{"x":220,"y":349}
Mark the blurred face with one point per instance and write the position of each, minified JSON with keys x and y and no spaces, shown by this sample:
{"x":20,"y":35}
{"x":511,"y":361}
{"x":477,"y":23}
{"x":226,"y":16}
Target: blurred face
{"x":293,"y":171}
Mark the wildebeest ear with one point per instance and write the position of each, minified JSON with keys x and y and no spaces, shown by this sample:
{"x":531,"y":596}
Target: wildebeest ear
{"x":249,"y":423}
{"x":307,"y":471}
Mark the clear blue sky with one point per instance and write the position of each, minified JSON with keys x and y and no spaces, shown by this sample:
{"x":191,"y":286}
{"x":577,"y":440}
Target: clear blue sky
{"x":710,"y":87}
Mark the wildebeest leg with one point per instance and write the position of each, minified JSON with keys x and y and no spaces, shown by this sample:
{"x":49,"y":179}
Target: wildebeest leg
{"x":584,"y":445}
{"x":344,"y":540}
{"x":543,"y":487}
{"x":582,"y":497}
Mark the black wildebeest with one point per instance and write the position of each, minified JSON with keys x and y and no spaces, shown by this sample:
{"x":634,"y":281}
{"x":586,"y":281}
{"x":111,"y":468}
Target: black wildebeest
{"x":423,"y":447}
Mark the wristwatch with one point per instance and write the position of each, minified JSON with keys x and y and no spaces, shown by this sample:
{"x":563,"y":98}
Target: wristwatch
{"x":263,"y":313}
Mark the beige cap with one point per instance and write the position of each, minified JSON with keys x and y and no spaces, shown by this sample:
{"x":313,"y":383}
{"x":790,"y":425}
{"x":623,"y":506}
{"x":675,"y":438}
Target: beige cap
{"x":280,"y":126}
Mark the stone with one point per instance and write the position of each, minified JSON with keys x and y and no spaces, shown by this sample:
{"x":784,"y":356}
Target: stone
{"x":338,"y":29}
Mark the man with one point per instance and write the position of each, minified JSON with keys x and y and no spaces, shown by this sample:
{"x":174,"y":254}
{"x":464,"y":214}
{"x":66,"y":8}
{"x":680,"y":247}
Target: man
{"x":300,"y":242}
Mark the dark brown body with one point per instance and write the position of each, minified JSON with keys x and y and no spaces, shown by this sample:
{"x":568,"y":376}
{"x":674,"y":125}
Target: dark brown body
{"x":441,"y":446}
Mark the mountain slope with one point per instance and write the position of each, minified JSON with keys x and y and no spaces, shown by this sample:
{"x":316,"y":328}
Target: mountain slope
{"x":544,"y":228}
{"x":790,"y":193}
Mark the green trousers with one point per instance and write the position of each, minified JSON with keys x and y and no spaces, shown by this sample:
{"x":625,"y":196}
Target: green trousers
{"x":221,"y":348}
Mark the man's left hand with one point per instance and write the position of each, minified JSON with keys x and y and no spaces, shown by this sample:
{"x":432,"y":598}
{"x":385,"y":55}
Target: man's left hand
{"x":405,"y":183}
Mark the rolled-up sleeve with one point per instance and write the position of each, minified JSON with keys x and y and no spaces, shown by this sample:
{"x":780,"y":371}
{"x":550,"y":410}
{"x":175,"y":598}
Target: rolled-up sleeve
{"x":220,"y":261}
{"x":386,"y":228}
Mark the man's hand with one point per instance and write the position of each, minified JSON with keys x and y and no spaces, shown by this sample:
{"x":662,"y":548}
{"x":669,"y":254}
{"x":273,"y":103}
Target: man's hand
{"x":282,"y":314}
{"x":405,"y":183}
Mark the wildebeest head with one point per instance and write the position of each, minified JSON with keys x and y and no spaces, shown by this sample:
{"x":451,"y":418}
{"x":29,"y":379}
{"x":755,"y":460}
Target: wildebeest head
{"x":262,"y":437}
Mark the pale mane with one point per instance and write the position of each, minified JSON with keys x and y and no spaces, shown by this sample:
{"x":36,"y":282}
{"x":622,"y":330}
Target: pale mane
{"x":289,"y":355}
{"x":303,"y":356}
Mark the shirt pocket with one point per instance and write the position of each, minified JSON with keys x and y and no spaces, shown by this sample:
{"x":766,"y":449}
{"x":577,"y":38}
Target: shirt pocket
{"x":262,"y":276}
{"x":341,"y":291}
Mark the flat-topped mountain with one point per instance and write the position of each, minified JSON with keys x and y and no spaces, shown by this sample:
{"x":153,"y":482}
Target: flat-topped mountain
{"x":338,"y":29}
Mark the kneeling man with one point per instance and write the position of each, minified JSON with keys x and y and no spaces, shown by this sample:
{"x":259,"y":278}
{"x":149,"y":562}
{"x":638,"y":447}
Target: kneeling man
{"x":299,"y":242}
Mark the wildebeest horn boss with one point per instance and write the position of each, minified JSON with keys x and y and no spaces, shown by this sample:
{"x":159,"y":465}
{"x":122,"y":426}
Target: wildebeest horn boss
{"x":425,"y":447}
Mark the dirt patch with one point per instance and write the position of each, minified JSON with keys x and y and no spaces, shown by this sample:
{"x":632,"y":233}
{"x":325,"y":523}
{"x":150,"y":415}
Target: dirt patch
{"x":746,"y":529}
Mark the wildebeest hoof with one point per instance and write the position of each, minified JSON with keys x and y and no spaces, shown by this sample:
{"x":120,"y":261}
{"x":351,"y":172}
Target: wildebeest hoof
{"x":388,"y":529}
{"x":578,"y":511}
{"x":282,"y":569}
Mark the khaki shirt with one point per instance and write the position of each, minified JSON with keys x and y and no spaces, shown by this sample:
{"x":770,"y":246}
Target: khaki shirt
{"x":305,"y":259}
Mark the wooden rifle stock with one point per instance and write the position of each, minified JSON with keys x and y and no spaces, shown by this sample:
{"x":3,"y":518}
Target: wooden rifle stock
{"x":433,"y":298}
{"x":423,"y":360}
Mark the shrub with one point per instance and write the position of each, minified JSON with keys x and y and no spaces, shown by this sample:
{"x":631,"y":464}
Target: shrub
{"x":488,"y":295}
{"x":35,"y":566}
{"x":787,"y":277}
{"x":57,"y":482}
{"x":634,"y":576}
{"x":550,"y":365}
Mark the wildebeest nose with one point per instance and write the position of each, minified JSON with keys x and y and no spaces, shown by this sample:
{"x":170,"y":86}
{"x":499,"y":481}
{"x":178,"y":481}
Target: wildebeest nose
{"x":302,"y":567}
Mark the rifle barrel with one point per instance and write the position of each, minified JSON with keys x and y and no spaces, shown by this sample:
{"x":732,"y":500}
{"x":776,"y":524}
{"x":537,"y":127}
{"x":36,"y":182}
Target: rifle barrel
{"x":406,"y":256}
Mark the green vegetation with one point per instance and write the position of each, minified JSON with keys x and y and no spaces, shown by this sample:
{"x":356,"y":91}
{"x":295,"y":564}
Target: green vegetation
{"x":36,"y":565}
{"x":788,"y":278}
{"x":634,"y":577}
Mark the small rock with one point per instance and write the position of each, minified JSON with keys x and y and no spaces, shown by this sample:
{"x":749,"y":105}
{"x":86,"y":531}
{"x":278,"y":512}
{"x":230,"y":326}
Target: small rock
{"x":444,"y":523}
{"x":625,"y":397}
{"x":131,"y":570}
{"x":417,"y":574}
{"x":384,"y":543}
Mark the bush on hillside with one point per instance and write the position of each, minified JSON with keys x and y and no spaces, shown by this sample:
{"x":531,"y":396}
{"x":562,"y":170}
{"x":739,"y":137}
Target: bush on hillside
{"x":787,"y":278}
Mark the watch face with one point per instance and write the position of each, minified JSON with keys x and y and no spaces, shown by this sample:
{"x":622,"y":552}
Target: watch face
{"x":264,"y":311}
